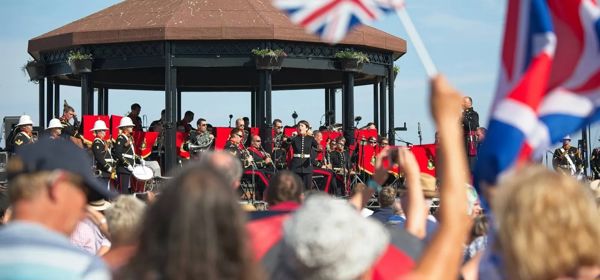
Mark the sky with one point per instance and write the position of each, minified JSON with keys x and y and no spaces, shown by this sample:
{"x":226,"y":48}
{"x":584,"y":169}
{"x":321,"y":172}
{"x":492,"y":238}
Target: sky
{"x":462,"y":36}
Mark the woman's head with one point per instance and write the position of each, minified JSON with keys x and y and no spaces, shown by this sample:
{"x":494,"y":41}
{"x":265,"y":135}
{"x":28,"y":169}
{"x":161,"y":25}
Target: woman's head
{"x":303,"y":127}
{"x":195,"y":230}
{"x":547,"y":225}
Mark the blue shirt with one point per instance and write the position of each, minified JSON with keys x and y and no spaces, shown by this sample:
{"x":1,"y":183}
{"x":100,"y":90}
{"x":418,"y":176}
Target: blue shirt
{"x":31,"y":251}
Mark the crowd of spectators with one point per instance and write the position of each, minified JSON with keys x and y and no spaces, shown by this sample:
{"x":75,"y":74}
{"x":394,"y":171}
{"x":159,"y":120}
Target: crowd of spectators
{"x":63,"y":224}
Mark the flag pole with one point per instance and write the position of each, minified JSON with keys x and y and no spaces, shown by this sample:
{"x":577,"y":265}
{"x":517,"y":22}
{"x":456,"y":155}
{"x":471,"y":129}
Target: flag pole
{"x":417,"y":42}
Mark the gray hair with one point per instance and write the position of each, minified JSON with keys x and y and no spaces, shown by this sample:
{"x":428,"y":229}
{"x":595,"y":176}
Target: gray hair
{"x":311,"y":251}
{"x":226,"y":163}
{"x":124,"y":219}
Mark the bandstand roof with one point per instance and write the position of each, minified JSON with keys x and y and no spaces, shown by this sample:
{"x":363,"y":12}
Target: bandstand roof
{"x":210,"y":36}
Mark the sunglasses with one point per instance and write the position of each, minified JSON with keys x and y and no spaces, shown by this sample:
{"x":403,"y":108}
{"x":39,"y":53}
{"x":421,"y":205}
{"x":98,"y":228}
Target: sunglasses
{"x":241,"y":136}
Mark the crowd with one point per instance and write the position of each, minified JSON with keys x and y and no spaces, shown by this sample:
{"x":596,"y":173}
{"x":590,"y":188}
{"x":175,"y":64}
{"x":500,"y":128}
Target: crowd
{"x":65,"y":224}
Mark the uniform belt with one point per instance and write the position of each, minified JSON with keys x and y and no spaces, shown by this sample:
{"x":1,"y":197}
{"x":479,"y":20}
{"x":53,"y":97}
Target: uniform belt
{"x":109,"y":160}
{"x":128,"y":156}
{"x":301,"y":155}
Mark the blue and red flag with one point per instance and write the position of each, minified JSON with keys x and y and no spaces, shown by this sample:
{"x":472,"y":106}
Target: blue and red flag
{"x":549,"y":81}
{"x":333,"y":19}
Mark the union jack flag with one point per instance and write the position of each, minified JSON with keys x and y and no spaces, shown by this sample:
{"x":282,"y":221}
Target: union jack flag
{"x":549,"y":83}
{"x":333,"y":19}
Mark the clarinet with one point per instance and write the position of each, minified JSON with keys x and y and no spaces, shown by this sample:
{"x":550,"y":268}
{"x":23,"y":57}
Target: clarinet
{"x":269,"y":157}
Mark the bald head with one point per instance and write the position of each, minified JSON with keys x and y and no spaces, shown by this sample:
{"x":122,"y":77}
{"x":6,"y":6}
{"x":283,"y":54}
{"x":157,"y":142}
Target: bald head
{"x":226,"y":164}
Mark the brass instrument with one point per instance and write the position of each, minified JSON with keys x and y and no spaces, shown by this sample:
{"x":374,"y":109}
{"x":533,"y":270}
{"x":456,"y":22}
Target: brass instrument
{"x":202,"y":141}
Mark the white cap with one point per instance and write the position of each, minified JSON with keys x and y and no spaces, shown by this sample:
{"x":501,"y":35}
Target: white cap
{"x":99,"y":125}
{"x":567,"y":137}
{"x":25,"y":120}
{"x":126,"y":122}
{"x":54,"y":123}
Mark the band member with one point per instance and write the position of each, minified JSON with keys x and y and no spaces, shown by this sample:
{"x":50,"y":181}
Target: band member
{"x":383,"y":142}
{"x":134,"y":115}
{"x":158,"y":125}
{"x":200,"y":140}
{"x":470,"y":123}
{"x":263,"y":165}
{"x":104,"y":162}
{"x":71,"y":131}
{"x":54,"y":129}
{"x":595,"y":163}
{"x":234,"y":146}
{"x":302,"y":147}
{"x":23,"y":133}
{"x":184,"y":124}
{"x":280,"y":145}
{"x":340,"y":162}
{"x":124,"y":154}
{"x":320,"y":161}
{"x":261,"y":158}
{"x":567,"y":159}
{"x":239,"y":123}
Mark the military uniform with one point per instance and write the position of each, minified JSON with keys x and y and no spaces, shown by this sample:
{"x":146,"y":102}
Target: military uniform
{"x":567,"y":161}
{"x":125,"y":156}
{"x":197,"y":143}
{"x":595,"y":163}
{"x":69,"y":130}
{"x":301,"y":147}
{"x":22,"y":139}
{"x":470,"y":123}
{"x":103,"y":160}
{"x":260,"y":158}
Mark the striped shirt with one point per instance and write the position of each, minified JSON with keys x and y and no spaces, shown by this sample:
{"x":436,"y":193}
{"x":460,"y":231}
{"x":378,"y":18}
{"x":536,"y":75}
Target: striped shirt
{"x":31,"y":251}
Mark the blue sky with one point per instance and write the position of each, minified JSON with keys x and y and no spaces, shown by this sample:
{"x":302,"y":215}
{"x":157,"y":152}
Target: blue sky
{"x":463,"y":38}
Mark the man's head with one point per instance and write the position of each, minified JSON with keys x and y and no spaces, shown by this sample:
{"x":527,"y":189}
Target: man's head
{"x":284,"y":186}
{"x":201,"y":125}
{"x":256,"y":141}
{"x":387,"y":196}
{"x":278,"y":125}
{"x":25,"y":124}
{"x":68,"y":112}
{"x":135,"y":109}
{"x":467,"y":102}
{"x":225,"y":163}
{"x":239,"y":123}
{"x":566,"y":141}
{"x":124,"y":220}
{"x":318,"y":136}
{"x":246,"y":121}
{"x":50,"y":184}
{"x":236,"y":135}
{"x":188,"y":117}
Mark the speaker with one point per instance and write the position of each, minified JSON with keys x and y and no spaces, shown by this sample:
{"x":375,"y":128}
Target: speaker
{"x":3,"y":162}
{"x":9,"y":125}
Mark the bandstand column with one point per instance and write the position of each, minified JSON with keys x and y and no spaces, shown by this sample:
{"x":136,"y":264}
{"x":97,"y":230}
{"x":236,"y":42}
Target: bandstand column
{"x":348,"y":107}
{"x":101,"y":101}
{"x":49,"y":99}
{"x":391,"y":78}
{"x":85,"y":93}
{"x":57,"y":111}
{"x":253,"y":108}
{"x":382,"y":107}
{"x":41,"y":118}
{"x":170,"y":109}
{"x":376,"y":104}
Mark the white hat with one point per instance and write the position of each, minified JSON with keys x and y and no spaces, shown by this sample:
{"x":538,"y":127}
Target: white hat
{"x":323,"y":255}
{"x":99,"y":125}
{"x":567,"y":137}
{"x":25,"y":120}
{"x":99,"y":205}
{"x":54,"y":123}
{"x":126,"y":122}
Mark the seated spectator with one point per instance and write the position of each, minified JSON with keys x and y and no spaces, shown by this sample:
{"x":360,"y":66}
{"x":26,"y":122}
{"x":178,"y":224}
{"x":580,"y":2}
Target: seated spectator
{"x":124,"y":221}
{"x":284,"y":191}
{"x":91,"y":233}
{"x":194,"y":230}
{"x":478,"y":239}
{"x":386,"y":198}
{"x":310,"y":251}
{"x":49,"y":186}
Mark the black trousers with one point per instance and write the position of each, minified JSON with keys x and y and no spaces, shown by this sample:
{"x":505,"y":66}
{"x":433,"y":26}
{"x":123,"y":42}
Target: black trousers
{"x":125,"y":183}
{"x":307,"y":179}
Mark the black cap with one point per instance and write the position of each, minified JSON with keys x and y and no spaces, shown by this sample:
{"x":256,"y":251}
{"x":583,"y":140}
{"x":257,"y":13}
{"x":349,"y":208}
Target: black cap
{"x":50,"y":155}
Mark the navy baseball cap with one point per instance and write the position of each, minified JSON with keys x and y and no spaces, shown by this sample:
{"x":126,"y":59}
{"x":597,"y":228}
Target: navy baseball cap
{"x":50,"y":155}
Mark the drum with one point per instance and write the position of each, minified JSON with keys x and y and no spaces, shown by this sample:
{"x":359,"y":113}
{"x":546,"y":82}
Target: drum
{"x":142,"y":173}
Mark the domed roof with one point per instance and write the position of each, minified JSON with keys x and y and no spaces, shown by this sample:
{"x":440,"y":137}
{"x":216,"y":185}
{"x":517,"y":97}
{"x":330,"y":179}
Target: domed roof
{"x":158,"y":20}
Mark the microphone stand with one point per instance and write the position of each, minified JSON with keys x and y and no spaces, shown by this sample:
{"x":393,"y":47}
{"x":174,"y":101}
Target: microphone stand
{"x":230,"y":118}
{"x":419,"y":132}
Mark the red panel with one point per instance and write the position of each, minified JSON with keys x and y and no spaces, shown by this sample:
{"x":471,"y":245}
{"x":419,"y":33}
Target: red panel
{"x":143,"y":142}
{"x":287,"y":131}
{"x":254,"y":131}
{"x":329,"y":135}
{"x":365,"y":133}
{"x":426,"y":157}
{"x":88,"y":123}
{"x":366,"y":158}
{"x":221,"y":136}
{"x":114,"y":126}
